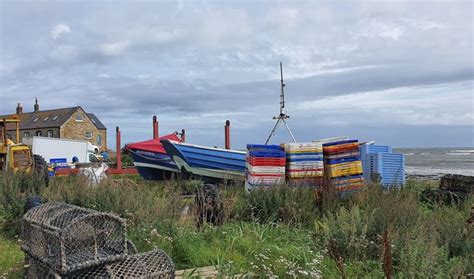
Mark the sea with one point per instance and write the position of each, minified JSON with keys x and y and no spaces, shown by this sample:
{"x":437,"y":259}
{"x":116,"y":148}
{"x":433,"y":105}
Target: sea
{"x":438,"y":161}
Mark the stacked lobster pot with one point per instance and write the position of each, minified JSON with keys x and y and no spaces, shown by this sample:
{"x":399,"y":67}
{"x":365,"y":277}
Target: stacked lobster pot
{"x":304,"y":163}
{"x":343,"y":166}
{"x":265,"y":166}
{"x":66,"y":241}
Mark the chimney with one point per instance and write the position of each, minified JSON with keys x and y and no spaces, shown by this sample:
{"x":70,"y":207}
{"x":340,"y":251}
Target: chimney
{"x":19,"y":109}
{"x":37,"y":106}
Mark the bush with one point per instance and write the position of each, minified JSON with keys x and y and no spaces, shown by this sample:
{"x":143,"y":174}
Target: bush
{"x":292,"y":206}
{"x":425,"y":241}
{"x":282,"y":231}
{"x":14,"y":189}
{"x":139,"y":203}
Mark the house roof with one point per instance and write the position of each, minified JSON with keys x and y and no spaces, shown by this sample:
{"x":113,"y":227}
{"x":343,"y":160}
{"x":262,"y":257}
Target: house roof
{"x":53,"y":118}
{"x":96,"y":121}
{"x":42,"y":119}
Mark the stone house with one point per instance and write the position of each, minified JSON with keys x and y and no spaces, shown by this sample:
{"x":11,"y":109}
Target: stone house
{"x":67,"y":123}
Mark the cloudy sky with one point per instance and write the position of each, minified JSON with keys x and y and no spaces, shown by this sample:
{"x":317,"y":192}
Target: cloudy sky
{"x":399,"y":73}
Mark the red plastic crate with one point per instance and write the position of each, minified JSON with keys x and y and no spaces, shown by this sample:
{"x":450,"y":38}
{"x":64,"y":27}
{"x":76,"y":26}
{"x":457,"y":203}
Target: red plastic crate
{"x":259,"y":161}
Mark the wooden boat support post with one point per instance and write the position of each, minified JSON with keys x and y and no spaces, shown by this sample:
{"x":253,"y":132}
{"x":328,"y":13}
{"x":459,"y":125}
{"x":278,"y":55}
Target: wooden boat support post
{"x":155,"y":127}
{"x":118,"y":148}
{"x":227,"y":134}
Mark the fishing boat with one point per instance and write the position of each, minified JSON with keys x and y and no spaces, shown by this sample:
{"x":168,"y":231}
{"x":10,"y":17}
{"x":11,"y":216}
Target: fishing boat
{"x":206,"y":163}
{"x":151,"y":160}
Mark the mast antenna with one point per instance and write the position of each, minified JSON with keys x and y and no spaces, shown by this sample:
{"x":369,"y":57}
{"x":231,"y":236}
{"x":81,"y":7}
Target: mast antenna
{"x":283,"y":116}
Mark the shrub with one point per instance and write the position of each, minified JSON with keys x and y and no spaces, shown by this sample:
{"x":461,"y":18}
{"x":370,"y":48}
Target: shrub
{"x":14,"y":189}
{"x":292,"y":206}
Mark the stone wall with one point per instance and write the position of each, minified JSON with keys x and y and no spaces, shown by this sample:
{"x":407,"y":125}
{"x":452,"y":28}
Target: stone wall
{"x":77,"y":129}
{"x":33,"y":132}
{"x":103,"y":134}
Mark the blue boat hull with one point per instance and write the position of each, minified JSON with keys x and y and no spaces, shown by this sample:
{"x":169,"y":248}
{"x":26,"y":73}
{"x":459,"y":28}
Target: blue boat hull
{"x":207,"y":163}
{"x":153,"y":165}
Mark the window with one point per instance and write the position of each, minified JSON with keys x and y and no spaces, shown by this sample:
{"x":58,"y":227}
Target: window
{"x":9,"y":136}
{"x":55,"y":117}
{"x":36,"y":119}
{"x":79,"y":117}
{"x":46,"y":118}
{"x":88,"y":135}
{"x":26,"y":134}
{"x":39,"y":133}
{"x":50,"y":133}
{"x":99,"y":140}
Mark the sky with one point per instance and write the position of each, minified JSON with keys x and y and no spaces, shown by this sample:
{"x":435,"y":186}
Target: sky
{"x":397,"y":72}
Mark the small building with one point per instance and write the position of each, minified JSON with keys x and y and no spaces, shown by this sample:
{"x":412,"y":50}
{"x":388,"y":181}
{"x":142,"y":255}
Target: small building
{"x":67,"y":123}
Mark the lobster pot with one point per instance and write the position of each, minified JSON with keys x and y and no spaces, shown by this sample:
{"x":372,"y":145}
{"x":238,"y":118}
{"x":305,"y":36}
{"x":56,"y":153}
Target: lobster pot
{"x":343,"y":167}
{"x":153,"y":264}
{"x":265,"y":165}
{"x":66,"y":238}
{"x":304,"y":163}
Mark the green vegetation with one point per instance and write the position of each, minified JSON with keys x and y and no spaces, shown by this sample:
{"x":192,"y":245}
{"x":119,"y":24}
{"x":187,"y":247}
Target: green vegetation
{"x":11,"y":257}
{"x":285,"y":232}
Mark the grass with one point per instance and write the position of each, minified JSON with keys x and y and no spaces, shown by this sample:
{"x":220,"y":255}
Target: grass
{"x":11,"y":256}
{"x":282,"y":232}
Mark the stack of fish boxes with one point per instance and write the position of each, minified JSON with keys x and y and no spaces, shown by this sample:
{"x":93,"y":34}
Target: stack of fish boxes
{"x":265,"y":165}
{"x":304,"y":163}
{"x":380,"y":164}
{"x":343,"y":166}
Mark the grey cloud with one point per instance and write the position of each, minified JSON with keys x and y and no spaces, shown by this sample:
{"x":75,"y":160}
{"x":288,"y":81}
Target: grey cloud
{"x":133,"y":59}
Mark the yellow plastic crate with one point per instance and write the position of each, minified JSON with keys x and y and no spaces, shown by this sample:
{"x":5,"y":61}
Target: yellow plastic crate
{"x":351,"y":181}
{"x":350,"y":187}
{"x":345,"y":172}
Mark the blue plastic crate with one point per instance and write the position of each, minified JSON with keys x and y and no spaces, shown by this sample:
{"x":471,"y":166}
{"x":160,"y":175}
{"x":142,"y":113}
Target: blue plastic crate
{"x":365,"y":151}
{"x":268,"y":154}
{"x":340,"y":142}
{"x":389,"y":166}
{"x":342,"y":160}
{"x":263,"y":147}
{"x":373,"y":148}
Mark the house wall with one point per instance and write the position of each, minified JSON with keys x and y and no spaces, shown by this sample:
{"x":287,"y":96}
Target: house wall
{"x":74,"y":129}
{"x":44,"y":132}
{"x":11,"y":134}
{"x":103,"y":134}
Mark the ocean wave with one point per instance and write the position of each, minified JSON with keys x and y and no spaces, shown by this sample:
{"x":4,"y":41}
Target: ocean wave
{"x":437,"y":171}
{"x":409,"y":154}
{"x":425,"y":153}
{"x":460,"y":154}
{"x":464,"y":151}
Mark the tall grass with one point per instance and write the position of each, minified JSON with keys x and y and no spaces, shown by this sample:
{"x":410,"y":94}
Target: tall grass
{"x":14,"y":189}
{"x":285,"y":231}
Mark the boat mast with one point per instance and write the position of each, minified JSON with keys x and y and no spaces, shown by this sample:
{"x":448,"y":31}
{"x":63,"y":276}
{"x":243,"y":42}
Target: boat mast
{"x":283,"y":116}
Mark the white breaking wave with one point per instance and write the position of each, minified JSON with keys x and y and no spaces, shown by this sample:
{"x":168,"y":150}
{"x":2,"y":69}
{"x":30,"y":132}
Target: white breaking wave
{"x":465,"y":151}
{"x":434,"y":171}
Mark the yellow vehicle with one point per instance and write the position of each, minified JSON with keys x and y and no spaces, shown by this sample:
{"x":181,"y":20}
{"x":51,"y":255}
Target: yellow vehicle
{"x":17,"y":156}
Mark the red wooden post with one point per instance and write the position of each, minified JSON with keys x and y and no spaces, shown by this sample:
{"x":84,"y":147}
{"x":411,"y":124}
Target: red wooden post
{"x":227,"y":134}
{"x":119,"y":148}
{"x":183,"y":135}
{"x":155,"y":127}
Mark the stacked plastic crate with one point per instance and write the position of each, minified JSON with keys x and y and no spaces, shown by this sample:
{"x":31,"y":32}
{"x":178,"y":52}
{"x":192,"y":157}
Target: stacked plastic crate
{"x":265,"y":165}
{"x":304,"y":163}
{"x":343,"y":166}
{"x":383,"y":166}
